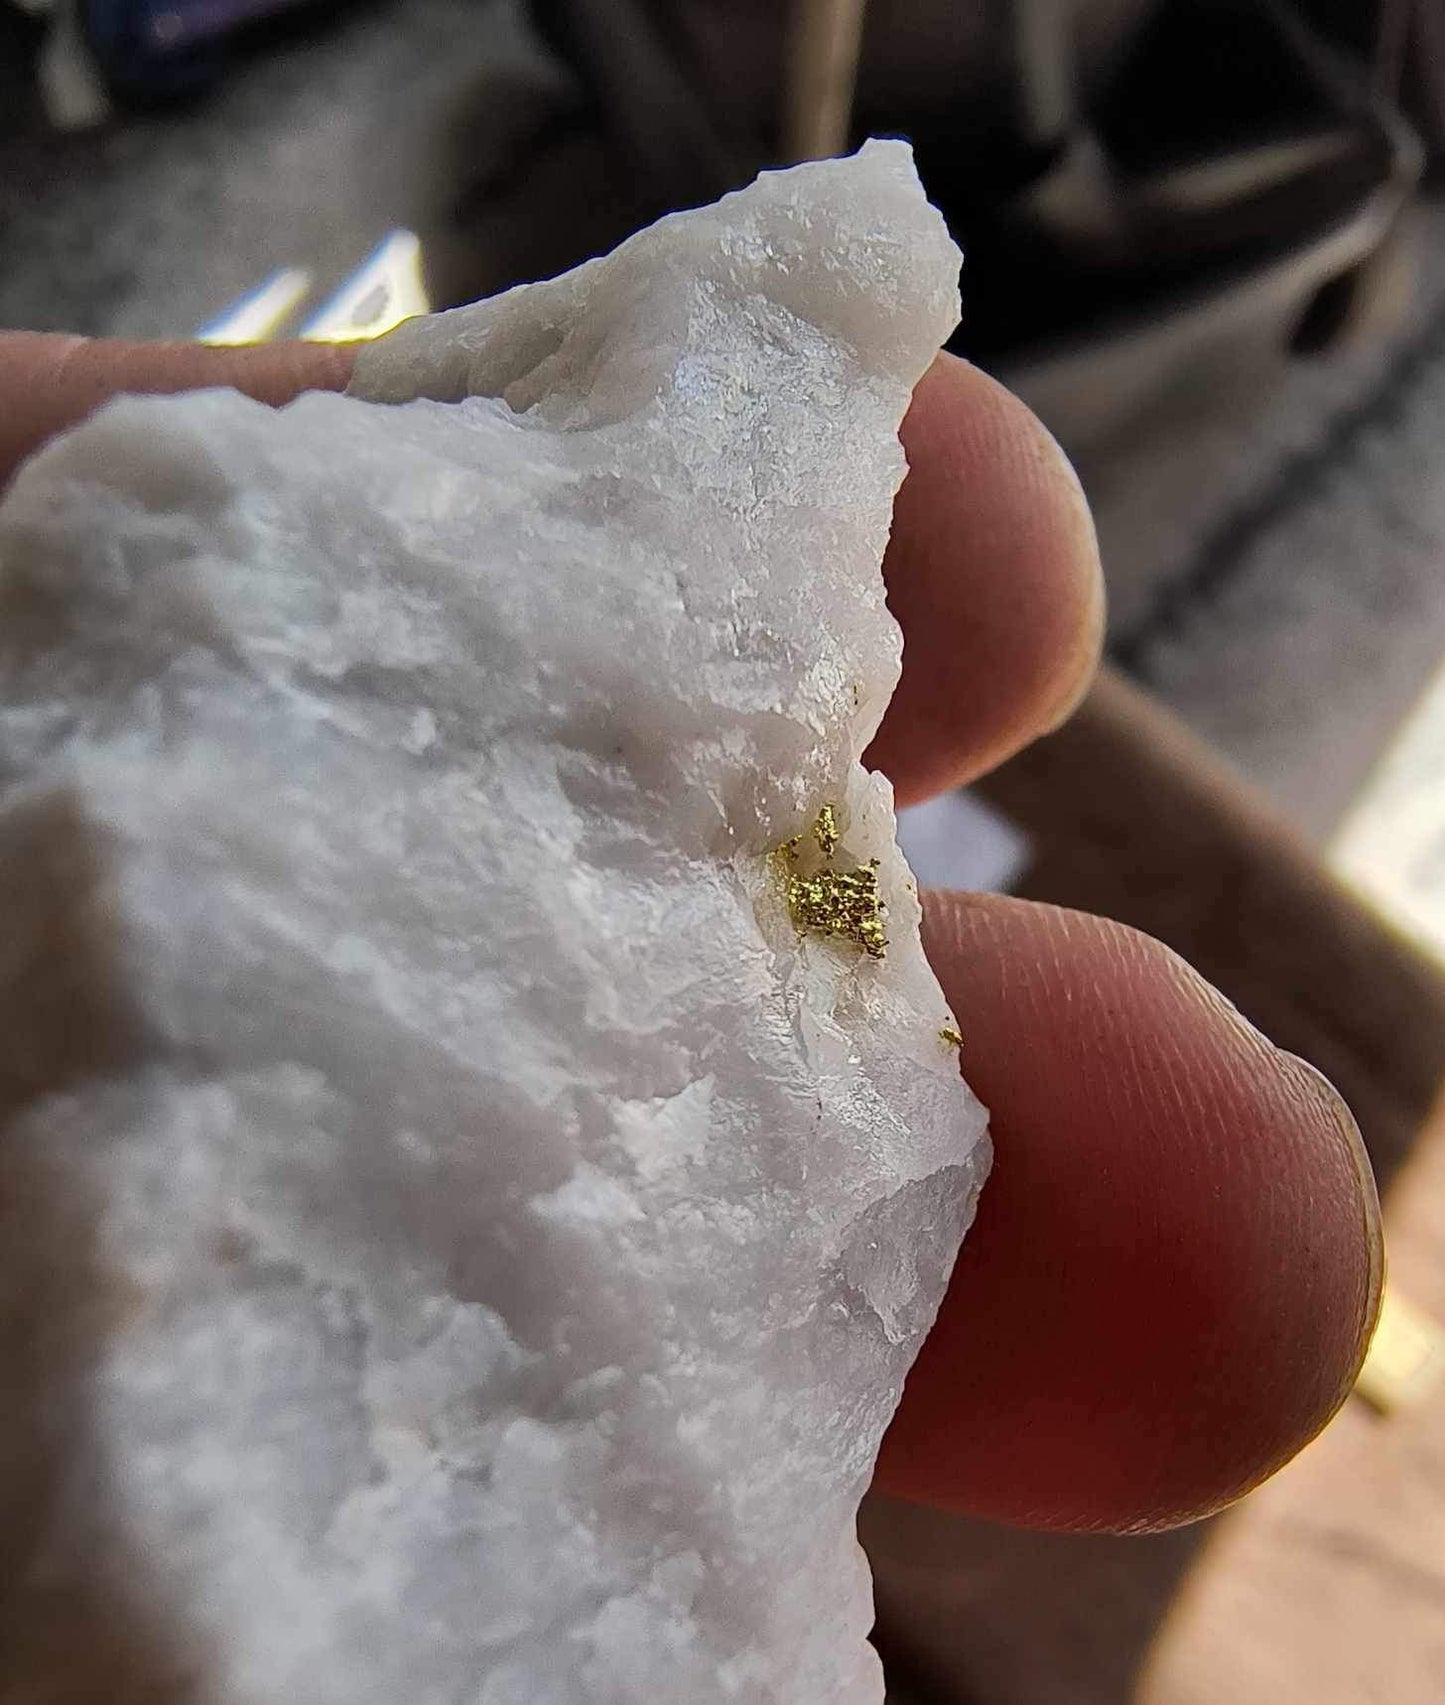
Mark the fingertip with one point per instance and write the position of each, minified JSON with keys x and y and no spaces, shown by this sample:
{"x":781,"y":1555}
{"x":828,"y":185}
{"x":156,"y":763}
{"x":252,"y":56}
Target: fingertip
{"x":1176,"y":1263}
{"x":993,"y":573}
{"x":50,"y":382}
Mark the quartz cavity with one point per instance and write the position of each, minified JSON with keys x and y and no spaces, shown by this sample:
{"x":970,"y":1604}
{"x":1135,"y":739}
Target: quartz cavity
{"x":471,"y":1237}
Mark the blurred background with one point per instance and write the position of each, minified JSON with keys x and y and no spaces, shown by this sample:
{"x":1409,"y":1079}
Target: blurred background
{"x":1205,"y":241}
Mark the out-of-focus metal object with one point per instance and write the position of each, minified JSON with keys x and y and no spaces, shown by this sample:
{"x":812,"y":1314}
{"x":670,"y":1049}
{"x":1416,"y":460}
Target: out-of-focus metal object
{"x":260,"y":314}
{"x":385,"y":290}
{"x":824,"y":38}
{"x":1406,"y":1359}
{"x":1392,"y":845}
{"x":72,"y":91}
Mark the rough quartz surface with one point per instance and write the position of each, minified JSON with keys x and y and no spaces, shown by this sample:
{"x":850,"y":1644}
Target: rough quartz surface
{"x":472,"y":1243}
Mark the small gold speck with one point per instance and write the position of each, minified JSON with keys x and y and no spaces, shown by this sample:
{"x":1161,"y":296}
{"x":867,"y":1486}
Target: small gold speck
{"x":783,"y":857}
{"x":825,"y":831}
{"x":952,"y":1036}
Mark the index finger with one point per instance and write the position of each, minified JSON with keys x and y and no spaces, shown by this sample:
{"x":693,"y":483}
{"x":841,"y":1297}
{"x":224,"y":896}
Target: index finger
{"x":993,"y":573}
{"x":49,"y":382}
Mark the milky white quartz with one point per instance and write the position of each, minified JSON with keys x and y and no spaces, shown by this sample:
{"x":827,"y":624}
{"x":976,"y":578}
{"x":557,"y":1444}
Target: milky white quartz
{"x":477,"y":1241}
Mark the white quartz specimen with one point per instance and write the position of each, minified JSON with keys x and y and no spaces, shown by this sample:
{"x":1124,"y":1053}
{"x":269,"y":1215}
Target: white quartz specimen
{"x":471,"y":1242}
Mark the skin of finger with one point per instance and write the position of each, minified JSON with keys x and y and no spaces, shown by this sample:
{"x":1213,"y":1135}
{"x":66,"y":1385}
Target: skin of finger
{"x":48,"y":382}
{"x":1176,"y":1263}
{"x":993,"y":574}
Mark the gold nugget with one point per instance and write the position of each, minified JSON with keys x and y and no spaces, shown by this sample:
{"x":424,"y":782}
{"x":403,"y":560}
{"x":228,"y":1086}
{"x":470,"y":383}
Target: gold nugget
{"x":825,"y":831}
{"x":830,"y":900}
{"x":950,"y":1035}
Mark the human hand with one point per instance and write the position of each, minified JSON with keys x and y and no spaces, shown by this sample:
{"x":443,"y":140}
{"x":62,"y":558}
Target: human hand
{"x":1177,"y":1260}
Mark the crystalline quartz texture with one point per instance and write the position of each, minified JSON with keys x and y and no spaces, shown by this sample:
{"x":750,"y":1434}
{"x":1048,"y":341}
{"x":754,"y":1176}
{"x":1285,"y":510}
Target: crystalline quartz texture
{"x":523,"y":1233}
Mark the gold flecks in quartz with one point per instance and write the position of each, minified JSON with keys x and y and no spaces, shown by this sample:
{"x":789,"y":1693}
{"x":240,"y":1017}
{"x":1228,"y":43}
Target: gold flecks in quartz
{"x":825,"y":831}
{"x":828,"y":899}
{"x":950,"y":1034}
